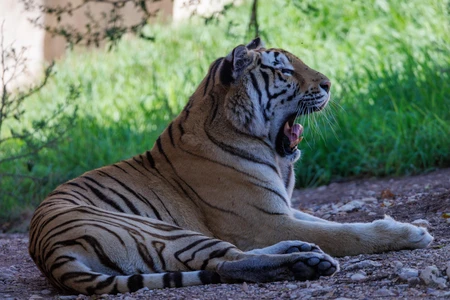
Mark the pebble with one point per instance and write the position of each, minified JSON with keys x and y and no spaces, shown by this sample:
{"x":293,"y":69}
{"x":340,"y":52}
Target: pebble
{"x":351,"y":206}
{"x":363,"y":264}
{"x":430,"y":276}
{"x":46,"y":292}
{"x":369,"y":199}
{"x":447,"y":269}
{"x":397,"y":265}
{"x":291,"y":286}
{"x":384,"y":292}
{"x":358,"y":277}
{"x":406,"y":273}
{"x":413,"y":281}
{"x":245,"y":287}
{"x":69,"y":297}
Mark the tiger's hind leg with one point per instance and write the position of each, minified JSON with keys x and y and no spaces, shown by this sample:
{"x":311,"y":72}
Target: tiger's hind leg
{"x":116,"y":252}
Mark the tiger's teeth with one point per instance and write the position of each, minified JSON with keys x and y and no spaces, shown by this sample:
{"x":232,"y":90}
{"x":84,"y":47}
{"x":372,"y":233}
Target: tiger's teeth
{"x":296,"y":142}
{"x":293,"y":133}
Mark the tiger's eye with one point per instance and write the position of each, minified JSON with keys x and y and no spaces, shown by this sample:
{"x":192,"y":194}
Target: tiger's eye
{"x":288,"y":72}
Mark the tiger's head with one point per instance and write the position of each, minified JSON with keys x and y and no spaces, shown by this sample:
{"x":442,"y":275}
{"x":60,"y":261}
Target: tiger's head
{"x":267,"y":89}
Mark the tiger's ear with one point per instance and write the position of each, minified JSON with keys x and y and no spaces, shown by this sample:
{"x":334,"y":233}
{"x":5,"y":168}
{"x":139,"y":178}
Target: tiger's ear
{"x":234,"y":64}
{"x":255,"y":44}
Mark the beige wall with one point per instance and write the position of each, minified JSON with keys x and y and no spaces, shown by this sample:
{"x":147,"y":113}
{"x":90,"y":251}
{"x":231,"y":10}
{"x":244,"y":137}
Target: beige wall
{"x":54,"y":47}
{"x":43,"y":47}
{"x":18,"y":32}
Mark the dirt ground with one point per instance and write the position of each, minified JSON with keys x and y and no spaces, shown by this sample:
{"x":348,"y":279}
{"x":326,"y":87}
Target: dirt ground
{"x":417,"y":274}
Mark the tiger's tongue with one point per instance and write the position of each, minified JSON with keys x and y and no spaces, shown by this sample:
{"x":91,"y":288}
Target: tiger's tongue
{"x":293,"y":133}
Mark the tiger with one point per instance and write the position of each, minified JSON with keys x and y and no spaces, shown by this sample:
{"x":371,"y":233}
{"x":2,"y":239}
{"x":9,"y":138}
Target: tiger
{"x":210,"y":203}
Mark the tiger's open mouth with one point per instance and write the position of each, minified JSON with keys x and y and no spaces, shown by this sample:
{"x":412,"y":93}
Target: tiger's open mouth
{"x":289,"y":136}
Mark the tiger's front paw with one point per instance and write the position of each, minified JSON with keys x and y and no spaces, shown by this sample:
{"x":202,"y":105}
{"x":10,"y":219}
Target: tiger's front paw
{"x":402,"y":235}
{"x":287,"y":247}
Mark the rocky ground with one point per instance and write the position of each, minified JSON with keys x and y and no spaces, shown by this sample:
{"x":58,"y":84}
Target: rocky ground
{"x":417,"y":274}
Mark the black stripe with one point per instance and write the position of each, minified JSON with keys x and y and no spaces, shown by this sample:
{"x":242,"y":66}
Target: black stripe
{"x":104,"y":198}
{"x":212,"y":73}
{"x":101,"y":285}
{"x":268,"y":212}
{"x":291,"y":97}
{"x":57,"y":263}
{"x":150,"y":159}
{"x":75,"y":184}
{"x":120,"y":168}
{"x":266,"y":84}
{"x":158,"y":143}
{"x":159,"y":248}
{"x":279,"y":94}
{"x":209,"y":277}
{"x":145,"y":255}
{"x":180,"y":127}
{"x":165,"y":208}
{"x":216,"y":254}
{"x":220,"y":163}
{"x":96,"y":246}
{"x":169,"y":129}
{"x":84,"y":197}
{"x":136,"y":169}
{"x":72,"y":275}
{"x":127,"y":202}
{"x":214,"y":107}
{"x":137,"y":195}
{"x":188,"y":247}
{"x":256,"y":87}
{"x":83,"y":222}
{"x":268,"y":67}
{"x":277,"y":193}
{"x":135,"y":282}
{"x":172,"y":277}
{"x":240,"y":153}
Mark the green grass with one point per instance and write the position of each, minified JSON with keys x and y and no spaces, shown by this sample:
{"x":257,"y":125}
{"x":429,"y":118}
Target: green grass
{"x":388,"y":62}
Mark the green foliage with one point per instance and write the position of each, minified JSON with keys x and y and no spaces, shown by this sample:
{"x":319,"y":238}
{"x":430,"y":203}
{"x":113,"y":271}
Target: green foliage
{"x":388,"y":62}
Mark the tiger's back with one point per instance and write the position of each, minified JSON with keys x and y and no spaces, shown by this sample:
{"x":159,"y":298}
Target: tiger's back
{"x":210,"y":202}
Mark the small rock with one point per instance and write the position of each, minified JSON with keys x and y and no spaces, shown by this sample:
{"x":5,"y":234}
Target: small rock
{"x":369,"y":199}
{"x":46,"y":292}
{"x":384,"y":292}
{"x":245,"y":287}
{"x":35,"y":297}
{"x":413,"y":281}
{"x":363,"y":264}
{"x":421,"y":223}
{"x":406,"y":273}
{"x":358,"y":277}
{"x":387,"y":203}
{"x":291,"y":286}
{"x":397,"y":265}
{"x":144,"y":289}
{"x":439,"y":294}
{"x":430,"y":276}
{"x":351,"y":206}
{"x":447,"y":269}
{"x":69,"y":297}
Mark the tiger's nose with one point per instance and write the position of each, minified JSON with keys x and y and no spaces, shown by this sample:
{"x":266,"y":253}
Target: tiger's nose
{"x":326,"y":85}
